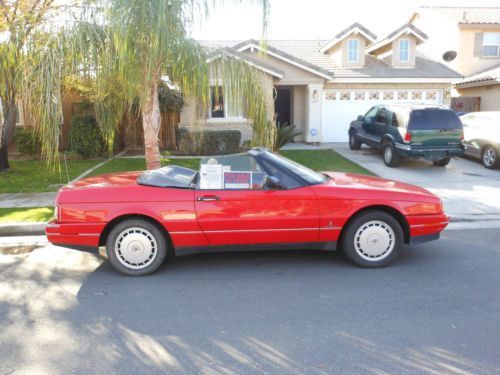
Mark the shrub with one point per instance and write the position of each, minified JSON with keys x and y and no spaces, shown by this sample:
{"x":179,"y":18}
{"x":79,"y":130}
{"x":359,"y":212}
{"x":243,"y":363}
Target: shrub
{"x":284,"y":135}
{"x":208,"y":142}
{"x":85,"y":138}
{"x":27,"y":142}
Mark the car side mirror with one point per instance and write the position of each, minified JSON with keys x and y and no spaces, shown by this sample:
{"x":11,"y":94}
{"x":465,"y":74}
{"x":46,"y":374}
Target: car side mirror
{"x":273,"y":182}
{"x":361,"y":118}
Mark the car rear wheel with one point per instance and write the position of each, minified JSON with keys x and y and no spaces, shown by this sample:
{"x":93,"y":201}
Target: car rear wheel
{"x":373,"y":239}
{"x":442,"y":162}
{"x":391,"y":158}
{"x":490,"y":157}
{"x":136,"y":247}
{"x":354,"y":142}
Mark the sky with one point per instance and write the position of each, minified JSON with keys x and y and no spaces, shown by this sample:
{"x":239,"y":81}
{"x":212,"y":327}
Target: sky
{"x":313,"y":19}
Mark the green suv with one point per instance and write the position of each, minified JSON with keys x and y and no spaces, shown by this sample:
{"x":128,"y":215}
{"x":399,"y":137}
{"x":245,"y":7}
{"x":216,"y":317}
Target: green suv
{"x":423,"y":131}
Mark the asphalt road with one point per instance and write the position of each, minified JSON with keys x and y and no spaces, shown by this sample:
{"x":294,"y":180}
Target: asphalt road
{"x":436,"y":311}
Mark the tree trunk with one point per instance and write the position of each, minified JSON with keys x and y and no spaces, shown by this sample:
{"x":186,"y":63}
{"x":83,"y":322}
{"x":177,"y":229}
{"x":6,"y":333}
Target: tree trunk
{"x":151,"y":127}
{"x":7,"y":133}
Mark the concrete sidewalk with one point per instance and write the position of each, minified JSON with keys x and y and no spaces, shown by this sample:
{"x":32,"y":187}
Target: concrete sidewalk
{"x":12,"y":200}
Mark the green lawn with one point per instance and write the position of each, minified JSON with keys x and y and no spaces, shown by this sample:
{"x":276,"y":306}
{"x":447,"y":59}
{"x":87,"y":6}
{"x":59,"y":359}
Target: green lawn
{"x":33,"y":176}
{"x":10,"y":215}
{"x":324,"y":160}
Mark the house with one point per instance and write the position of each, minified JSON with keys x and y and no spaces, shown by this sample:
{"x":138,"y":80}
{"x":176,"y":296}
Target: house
{"x":472,"y":46}
{"x":321,"y":86}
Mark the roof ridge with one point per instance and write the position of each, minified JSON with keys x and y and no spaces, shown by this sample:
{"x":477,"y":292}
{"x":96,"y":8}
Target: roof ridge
{"x":459,"y":7}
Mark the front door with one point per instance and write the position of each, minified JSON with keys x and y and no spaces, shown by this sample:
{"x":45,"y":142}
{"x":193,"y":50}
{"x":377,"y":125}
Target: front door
{"x":239,"y":209}
{"x":282,"y":107}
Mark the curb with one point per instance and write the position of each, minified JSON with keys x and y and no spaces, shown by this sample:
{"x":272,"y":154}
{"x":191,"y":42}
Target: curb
{"x":22,"y":229}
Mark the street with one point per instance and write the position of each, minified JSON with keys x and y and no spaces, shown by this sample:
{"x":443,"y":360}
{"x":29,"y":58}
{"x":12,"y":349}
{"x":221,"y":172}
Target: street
{"x":434,"y":311}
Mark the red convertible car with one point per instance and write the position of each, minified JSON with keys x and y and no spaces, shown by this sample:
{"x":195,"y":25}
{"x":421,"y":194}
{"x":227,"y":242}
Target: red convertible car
{"x":253,"y":201}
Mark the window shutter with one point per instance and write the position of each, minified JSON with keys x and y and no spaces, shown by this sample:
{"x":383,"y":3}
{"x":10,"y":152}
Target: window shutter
{"x":478,"y":44}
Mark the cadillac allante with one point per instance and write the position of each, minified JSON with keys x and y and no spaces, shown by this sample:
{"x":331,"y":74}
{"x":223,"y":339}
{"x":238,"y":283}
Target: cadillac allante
{"x":252,"y":201}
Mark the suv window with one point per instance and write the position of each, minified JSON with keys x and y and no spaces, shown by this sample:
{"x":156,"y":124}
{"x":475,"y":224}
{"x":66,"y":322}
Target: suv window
{"x":382,"y":116}
{"x":370,"y":115}
{"x":434,"y":118}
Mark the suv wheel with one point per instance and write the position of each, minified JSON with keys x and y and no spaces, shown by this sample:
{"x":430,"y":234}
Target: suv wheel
{"x":490,"y":157}
{"x":391,"y":158}
{"x":442,"y":162}
{"x":354,"y":142}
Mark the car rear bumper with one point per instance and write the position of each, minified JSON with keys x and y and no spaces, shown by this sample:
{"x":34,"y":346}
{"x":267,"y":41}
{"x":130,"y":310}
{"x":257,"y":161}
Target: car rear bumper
{"x":79,"y":236}
{"x":430,"y":153}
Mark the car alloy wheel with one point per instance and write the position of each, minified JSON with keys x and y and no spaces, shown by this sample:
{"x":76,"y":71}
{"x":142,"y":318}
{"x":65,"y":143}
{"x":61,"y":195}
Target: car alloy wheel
{"x":391,"y":159}
{"x":354,"y":142}
{"x":490,"y":157}
{"x":374,"y":240}
{"x":136,"y":248}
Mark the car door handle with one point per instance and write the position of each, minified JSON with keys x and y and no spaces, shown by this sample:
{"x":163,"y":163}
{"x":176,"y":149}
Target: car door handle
{"x":208,"y":198}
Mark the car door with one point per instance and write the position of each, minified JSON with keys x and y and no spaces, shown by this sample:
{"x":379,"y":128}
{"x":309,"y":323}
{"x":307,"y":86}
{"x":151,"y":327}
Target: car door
{"x":472,"y":135}
{"x":380,"y":124}
{"x":367,"y":133}
{"x":242,"y":210}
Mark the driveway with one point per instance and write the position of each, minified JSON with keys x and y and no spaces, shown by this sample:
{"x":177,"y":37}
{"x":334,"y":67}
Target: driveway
{"x":467,"y":189}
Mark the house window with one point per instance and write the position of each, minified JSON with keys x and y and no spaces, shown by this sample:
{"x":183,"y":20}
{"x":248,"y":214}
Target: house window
{"x":225,"y":106}
{"x":404,"y":50}
{"x":491,"y":44}
{"x":353,"y":50}
{"x":217,"y":103}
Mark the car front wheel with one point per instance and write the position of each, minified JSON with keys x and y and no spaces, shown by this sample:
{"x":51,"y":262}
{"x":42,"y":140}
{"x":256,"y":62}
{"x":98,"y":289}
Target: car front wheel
{"x":373,"y":239}
{"x":354,"y":142}
{"x":136,"y":247}
{"x":490,"y":157}
{"x":391,"y":158}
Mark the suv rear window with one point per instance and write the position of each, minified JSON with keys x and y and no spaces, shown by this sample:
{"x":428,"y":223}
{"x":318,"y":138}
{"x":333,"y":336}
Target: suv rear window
{"x":434,"y":118}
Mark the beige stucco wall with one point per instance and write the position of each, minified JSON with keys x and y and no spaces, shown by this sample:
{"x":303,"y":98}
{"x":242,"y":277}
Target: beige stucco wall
{"x":292,"y":75}
{"x":299,"y":110}
{"x":467,"y":63}
{"x":490,"y":96}
{"x":395,"y":55}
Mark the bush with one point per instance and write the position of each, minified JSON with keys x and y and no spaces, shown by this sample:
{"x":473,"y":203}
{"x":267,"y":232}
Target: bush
{"x":284,"y":135}
{"x":208,"y":142}
{"x":27,"y":142}
{"x":85,"y":138}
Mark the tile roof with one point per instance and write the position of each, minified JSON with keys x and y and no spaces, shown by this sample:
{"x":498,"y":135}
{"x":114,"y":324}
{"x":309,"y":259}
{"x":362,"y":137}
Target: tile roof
{"x":486,"y":77}
{"x":308,"y":51}
{"x":353,"y":26}
{"x":393,"y":35}
{"x":467,"y":15}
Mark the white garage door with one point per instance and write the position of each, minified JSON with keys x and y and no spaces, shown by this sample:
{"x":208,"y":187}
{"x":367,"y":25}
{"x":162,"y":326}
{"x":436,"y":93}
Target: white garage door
{"x":340,"y":107}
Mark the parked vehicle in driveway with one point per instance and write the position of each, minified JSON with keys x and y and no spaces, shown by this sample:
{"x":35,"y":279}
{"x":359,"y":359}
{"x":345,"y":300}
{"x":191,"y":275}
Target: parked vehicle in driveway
{"x":482,"y":137}
{"x":253,"y":201}
{"x":423,"y":131}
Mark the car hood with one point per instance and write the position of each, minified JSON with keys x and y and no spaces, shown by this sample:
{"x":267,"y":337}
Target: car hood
{"x":370,"y":184}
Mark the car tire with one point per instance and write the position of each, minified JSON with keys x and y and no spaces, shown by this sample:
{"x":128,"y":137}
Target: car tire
{"x":136,"y":247}
{"x":442,"y":162}
{"x":354,"y":142}
{"x":490,"y":157}
{"x":391,"y":158}
{"x":373,"y":239}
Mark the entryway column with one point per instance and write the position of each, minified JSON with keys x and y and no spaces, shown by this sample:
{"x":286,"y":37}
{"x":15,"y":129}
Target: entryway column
{"x":314,"y":95}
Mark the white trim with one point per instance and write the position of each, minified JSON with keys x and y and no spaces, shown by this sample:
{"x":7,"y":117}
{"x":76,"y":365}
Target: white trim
{"x":383,"y":42}
{"x":252,"y":64}
{"x":486,"y":82}
{"x":291,"y":62}
{"x":355,"y":30}
{"x":393,"y":80}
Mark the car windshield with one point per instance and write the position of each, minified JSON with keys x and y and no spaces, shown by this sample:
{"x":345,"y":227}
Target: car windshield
{"x":305,"y":173}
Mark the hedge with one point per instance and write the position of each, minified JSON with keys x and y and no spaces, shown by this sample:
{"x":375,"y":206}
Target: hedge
{"x":27,"y":141}
{"x":208,"y":142}
{"x":85,"y":138}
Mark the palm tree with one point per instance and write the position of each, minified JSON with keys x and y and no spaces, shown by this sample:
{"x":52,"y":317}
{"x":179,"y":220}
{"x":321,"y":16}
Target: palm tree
{"x":125,"y":48}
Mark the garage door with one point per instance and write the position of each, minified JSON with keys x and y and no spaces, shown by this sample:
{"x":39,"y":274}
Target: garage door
{"x":340,"y":107}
